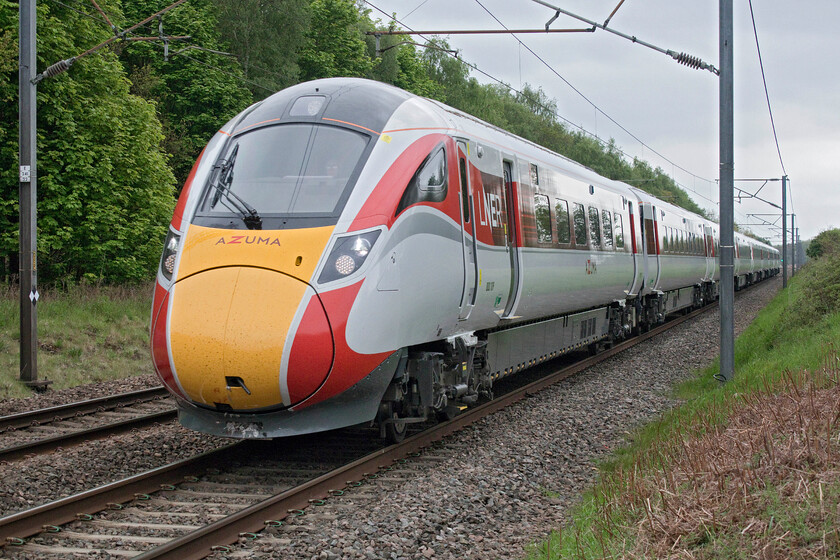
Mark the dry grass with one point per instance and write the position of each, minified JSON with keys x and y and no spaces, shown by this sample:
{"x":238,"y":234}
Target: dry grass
{"x":765,"y":485}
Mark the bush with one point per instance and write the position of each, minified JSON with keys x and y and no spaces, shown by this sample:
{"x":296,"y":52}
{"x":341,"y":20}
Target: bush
{"x":815,"y":290}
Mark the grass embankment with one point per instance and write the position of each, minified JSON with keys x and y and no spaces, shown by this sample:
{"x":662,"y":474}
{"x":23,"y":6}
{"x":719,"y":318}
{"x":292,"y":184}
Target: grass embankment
{"x":85,"y":334}
{"x":750,"y":469}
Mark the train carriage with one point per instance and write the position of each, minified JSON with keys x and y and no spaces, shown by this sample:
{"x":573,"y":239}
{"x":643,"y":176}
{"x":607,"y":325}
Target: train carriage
{"x":345,"y":252}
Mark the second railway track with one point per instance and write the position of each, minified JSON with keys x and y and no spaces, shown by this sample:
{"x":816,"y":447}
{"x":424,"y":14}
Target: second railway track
{"x":42,"y":430}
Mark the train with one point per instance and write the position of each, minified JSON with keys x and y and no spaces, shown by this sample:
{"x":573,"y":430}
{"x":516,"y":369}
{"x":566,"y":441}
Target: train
{"x":345,"y":252}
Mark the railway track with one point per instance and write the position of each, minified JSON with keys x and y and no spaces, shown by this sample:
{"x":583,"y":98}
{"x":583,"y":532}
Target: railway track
{"x":190,"y":508}
{"x":43,"y":430}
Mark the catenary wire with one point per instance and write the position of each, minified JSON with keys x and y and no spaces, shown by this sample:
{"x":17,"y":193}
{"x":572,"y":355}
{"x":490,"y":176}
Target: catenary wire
{"x":217,"y":68}
{"x":570,"y":123}
{"x":767,"y":96}
{"x":590,"y":102}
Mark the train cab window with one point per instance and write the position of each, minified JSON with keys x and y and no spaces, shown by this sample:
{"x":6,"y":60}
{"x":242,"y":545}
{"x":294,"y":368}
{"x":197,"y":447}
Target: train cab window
{"x":542,"y":214}
{"x":561,"y":209}
{"x":290,"y":170}
{"x":619,"y":231}
{"x":465,"y":195}
{"x":579,"y":217}
{"x":594,"y":228}
{"x":606,"y":217}
{"x":429,"y":183}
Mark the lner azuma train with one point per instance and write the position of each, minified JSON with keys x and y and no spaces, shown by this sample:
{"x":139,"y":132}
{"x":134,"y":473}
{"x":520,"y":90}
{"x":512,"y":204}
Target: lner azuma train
{"x":345,"y":252}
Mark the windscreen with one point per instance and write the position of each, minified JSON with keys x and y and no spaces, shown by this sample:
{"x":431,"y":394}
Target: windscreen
{"x":289,"y":169}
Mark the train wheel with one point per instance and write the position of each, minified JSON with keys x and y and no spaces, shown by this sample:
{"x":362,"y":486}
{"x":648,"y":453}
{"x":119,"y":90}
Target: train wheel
{"x":396,"y":429}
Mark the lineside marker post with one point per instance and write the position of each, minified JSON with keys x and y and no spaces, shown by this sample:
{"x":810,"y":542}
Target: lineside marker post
{"x":727,"y":200}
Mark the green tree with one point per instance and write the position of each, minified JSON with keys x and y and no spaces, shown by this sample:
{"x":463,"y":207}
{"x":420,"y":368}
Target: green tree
{"x":105,"y":193}
{"x":826,"y":243}
{"x":196,"y":91}
{"x":265,"y":36}
{"x":333,"y":44}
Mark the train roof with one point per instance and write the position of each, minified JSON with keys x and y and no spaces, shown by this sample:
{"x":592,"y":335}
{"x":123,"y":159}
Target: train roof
{"x":362,"y":103}
{"x":369,"y":105}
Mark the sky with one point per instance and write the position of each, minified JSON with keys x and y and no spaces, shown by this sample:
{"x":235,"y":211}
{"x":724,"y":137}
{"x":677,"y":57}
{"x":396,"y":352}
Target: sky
{"x":671,"y":110}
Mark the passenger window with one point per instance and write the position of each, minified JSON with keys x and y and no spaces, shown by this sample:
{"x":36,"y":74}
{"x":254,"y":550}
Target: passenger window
{"x":429,"y":183}
{"x":465,"y":195}
{"x":535,"y":174}
{"x":608,"y":230}
{"x":594,"y":228}
{"x":619,"y":231}
{"x":561,"y":208}
{"x":580,"y":225}
{"x":542,"y":213}
{"x":665,"y":244}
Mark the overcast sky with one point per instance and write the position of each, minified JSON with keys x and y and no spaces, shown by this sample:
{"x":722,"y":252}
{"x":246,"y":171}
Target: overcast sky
{"x":669,"y":107}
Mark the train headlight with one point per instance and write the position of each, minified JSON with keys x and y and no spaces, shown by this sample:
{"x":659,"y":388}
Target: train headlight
{"x":170,"y":252}
{"x":348,"y":255}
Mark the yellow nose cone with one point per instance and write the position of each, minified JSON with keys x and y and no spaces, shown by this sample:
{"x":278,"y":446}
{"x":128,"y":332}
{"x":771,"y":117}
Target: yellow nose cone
{"x":227,"y":333}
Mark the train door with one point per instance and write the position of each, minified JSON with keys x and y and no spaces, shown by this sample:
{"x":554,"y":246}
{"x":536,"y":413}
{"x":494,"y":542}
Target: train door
{"x":651,"y":241}
{"x":511,"y":239}
{"x":470,"y":289}
{"x":638,"y":265}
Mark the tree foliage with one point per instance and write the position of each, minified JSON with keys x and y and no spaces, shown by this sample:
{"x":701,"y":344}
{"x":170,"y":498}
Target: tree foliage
{"x":195,"y":91}
{"x":105,"y":192}
{"x":827,"y":243}
{"x":265,"y":36}
{"x":333,"y":45}
{"x":120,"y":131}
{"x":821,"y":276}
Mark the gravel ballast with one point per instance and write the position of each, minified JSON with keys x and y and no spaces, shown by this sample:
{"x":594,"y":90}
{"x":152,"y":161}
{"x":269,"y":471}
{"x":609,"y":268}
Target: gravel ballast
{"x":489,"y":492}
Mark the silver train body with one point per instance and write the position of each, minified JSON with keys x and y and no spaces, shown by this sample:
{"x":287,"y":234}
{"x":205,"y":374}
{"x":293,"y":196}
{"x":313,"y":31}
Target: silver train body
{"x":417,"y":255}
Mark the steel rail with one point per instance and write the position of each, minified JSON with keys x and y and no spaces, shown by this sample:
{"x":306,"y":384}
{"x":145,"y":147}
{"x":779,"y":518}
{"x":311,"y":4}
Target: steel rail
{"x":31,"y":522}
{"x":62,"y":412}
{"x":198,"y":544}
{"x":77,"y":437}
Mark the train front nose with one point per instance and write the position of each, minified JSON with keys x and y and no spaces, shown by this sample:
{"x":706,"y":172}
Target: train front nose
{"x":230,"y":338}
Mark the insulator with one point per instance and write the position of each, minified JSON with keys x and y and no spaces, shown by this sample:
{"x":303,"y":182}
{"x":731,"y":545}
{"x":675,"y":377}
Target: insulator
{"x":690,"y":61}
{"x":59,"y":67}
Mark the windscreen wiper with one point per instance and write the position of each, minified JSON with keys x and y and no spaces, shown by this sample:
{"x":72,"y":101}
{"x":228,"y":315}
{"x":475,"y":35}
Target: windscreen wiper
{"x":233,"y":201}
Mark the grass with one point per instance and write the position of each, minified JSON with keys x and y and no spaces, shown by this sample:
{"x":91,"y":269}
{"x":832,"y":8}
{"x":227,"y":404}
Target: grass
{"x":744,"y":470}
{"x":85,"y":334}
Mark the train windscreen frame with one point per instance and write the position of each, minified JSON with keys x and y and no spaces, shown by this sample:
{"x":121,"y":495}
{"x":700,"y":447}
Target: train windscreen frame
{"x":291,"y":175}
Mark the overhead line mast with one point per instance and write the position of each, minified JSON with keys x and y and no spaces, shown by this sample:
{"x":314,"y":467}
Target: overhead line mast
{"x":28,"y":174}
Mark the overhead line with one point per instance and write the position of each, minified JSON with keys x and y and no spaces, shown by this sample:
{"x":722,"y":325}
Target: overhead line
{"x":769,"y":107}
{"x":766,"y":93}
{"x":639,"y":140}
{"x":570,"y":123}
